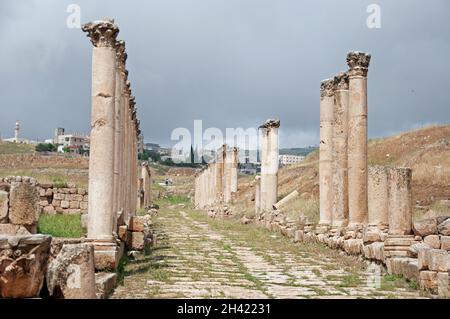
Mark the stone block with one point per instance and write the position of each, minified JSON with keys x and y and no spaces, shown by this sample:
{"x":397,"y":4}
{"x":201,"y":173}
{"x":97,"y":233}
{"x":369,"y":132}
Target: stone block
{"x":43,"y":203}
{"x":58,"y":196}
{"x":415,"y":248}
{"x":354,"y":246}
{"x":23,"y":204}
{"x":71,"y":275}
{"x":81,"y":191}
{"x":4,"y":200}
{"x":74,"y":204}
{"x":13,"y":230}
{"x":49,"y":192}
{"x":56,"y":203}
{"x":298,"y":236}
{"x":65,"y":204}
{"x":23,"y":264}
{"x":445,"y":242}
{"x":137,"y":224}
{"x":83,"y":205}
{"x":425,"y":227}
{"x":49,"y":209}
{"x":400,"y":240}
{"x":428,"y":280}
{"x":444,"y":228}
{"x":136,"y":240}
{"x":107,"y":255}
{"x":84,"y":221}
{"x":439,"y":260}
{"x":443,"y":284}
{"x":433,"y":241}
{"x":105,"y":283}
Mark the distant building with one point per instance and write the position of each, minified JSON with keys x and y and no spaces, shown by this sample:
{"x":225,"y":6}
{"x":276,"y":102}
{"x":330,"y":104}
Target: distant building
{"x":152,"y":147}
{"x":17,"y":139}
{"x":290,"y":159}
{"x":249,"y":168}
{"x":76,"y":143}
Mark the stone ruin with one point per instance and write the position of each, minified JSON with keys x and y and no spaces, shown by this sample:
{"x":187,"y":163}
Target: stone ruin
{"x":33,"y":265}
{"x":365,"y":211}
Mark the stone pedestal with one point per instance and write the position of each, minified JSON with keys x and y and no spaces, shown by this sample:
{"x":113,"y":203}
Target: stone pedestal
{"x":339,"y":151}
{"x":400,"y":201}
{"x":269,"y":164}
{"x":101,"y":160}
{"x":107,"y":255}
{"x":358,"y":63}
{"x":326,"y":151}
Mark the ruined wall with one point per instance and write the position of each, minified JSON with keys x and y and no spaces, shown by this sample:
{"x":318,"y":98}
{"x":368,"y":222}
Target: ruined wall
{"x":66,"y":200}
{"x":30,"y":161}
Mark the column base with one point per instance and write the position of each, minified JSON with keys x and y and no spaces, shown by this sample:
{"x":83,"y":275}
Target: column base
{"x":398,"y":246}
{"x":107,"y":254}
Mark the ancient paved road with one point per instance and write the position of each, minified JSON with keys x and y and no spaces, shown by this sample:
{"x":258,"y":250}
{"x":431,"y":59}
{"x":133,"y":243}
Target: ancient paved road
{"x":197,"y":257}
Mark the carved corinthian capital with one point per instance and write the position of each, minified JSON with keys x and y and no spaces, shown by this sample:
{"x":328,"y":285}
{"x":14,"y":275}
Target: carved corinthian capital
{"x":102,"y":33}
{"x":358,"y":63}
{"x":121,"y":55}
{"x":327,"y":88}
{"x":270,"y":123}
{"x":341,"y":81}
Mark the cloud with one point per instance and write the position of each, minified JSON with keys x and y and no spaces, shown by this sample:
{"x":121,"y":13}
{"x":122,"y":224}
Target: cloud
{"x":230,"y":63}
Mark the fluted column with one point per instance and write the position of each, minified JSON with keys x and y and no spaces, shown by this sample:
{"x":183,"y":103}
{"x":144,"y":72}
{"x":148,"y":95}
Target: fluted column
{"x":327,"y":90}
{"x":378,"y":197}
{"x":219,"y":176}
{"x":257,"y":195}
{"x":400,"y":201}
{"x":358,"y":63}
{"x":269,"y":164}
{"x":339,"y":141}
{"x":227,"y":175}
{"x":101,"y":163}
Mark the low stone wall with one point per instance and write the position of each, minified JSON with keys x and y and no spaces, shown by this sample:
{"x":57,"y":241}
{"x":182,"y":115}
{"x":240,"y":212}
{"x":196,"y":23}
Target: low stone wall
{"x":423,"y":257}
{"x":66,"y":200}
{"x":30,"y":161}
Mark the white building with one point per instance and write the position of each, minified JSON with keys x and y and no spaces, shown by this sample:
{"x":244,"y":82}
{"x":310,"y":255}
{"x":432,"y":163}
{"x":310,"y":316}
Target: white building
{"x":290,"y":159}
{"x":75,"y":142}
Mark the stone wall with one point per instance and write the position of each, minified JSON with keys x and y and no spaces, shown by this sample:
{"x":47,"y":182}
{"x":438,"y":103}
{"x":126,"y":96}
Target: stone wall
{"x":30,"y":161}
{"x":65,"y":200}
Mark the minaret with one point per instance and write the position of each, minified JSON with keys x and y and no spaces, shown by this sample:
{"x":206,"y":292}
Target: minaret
{"x":16,"y":132}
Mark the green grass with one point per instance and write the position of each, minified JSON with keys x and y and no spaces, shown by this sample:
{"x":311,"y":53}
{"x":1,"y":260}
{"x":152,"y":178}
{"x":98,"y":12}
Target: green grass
{"x":172,"y":200}
{"x":15,"y":148}
{"x":61,"y":225}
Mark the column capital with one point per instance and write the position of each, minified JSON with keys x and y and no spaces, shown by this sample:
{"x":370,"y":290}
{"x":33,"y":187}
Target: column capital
{"x":327,"y":88}
{"x":132,"y":101}
{"x":358,"y":63}
{"x":341,"y":81}
{"x":102,"y":33}
{"x":121,"y":55}
{"x":270,"y":123}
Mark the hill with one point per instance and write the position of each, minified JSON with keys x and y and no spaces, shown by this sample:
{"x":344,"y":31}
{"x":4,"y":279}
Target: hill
{"x":425,"y":150}
{"x":15,"y":148}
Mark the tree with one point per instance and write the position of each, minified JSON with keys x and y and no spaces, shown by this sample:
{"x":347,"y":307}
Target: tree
{"x":46,"y":147}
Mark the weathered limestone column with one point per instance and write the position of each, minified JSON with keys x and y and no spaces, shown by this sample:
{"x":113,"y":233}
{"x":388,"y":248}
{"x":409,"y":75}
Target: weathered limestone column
{"x":339,"y":216}
{"x":118,"y":109}
{"x":257,"y":195}
{"x":196,"y":190}
{"x":147,"y":184}
{"x":378,"y":196}
{"x":269,"y":164}
{"x":400,"y":201}
{"x":234,"y":169}
{"x":327,"y":90}
{"x":219,"y":175}
{"x":101,"y":161}
{"x":358,"y":63}
{"x":227,"y":175}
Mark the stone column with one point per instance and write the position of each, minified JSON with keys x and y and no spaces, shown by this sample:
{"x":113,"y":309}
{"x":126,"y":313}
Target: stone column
{"x":257,"y":195}
{"x":358,"y":63}
{"x":269,"y":164}
{"x":101,"y":162}
{"x":327,"y":90}
{"x":339,"y":216}
{"x":234,"y":170}
{"x":400,"y":201}
{"x":378,"y":196}
{"x":146,"y":184}
{"x":227,"y":175}
{"x":219,"y":175}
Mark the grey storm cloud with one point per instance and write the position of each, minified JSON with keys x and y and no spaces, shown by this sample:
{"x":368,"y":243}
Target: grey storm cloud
{"x":230,"y":63}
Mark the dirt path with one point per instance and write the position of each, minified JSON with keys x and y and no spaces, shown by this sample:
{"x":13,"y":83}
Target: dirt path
{"x":196,"y":257}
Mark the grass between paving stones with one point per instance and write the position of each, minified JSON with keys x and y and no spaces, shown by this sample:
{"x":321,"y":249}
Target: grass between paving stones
{"x":68,"y":226}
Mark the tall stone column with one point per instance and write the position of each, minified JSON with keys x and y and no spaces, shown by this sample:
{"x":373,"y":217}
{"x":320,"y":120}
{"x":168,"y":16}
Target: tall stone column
{"x":358,"y":63}
{"x":339,"y":145}
{"x":101,"y":161}
{"x":269,"y":164}
{"x":146,"y":176}
{"x":400,"y":201}
{"x":227,"y":175}
{"x":234,"y":170}
{"x":219,"y":175}
{"x":257,"y":195}
{"x":378,"y":196}
{"x":327,"y":90}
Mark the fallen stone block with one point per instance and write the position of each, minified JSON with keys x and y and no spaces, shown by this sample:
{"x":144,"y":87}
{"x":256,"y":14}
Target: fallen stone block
{"x":105,"y":283}
{"x":23,"y":204}
{"x":444,"y":227}
{"x":415,"y":248}
{"x":439,"y":260}
{"x":423,"y":257}
{"x":4,"y":201}
{"x":428,"y":281}
{"x":445,"y":242}
{"x":23,"y":264}
{"x":353,"y":246}
{"x":298,"y":236}
{"x":71,"y":275}
{"x":443,"y":283}
{"x":425,"y":227}
{"x":136,"y":240}
{"x":433,"y":241}
{"x":137,"y":224}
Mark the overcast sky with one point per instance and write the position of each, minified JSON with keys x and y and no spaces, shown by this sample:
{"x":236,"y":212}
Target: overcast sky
{"x":230,"y":63}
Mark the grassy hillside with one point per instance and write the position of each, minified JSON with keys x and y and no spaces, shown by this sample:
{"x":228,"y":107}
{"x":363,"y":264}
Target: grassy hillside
{"x":15,"y":148}
{"x":426,"y":151}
